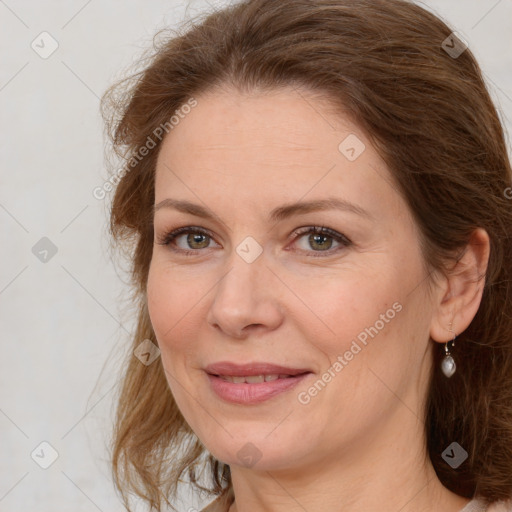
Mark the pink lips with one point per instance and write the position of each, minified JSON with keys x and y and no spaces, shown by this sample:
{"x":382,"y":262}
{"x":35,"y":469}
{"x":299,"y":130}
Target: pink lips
{"x":252,"y":393}
{"x":241,"y":370}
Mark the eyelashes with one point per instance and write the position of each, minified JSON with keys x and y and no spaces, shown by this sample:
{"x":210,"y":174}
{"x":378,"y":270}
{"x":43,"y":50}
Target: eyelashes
{"x":168,"y":238}
{"x":318,"y":235}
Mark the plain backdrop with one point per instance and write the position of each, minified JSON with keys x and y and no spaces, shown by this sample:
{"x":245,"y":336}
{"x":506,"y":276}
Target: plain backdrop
{"x":61,"y":297}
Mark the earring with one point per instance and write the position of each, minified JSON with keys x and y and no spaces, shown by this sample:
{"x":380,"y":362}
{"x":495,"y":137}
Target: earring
{"x":448,"y":364}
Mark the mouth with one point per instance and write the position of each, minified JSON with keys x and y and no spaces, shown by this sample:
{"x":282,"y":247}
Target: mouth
{"x":252,"y":383}
{"x":255,"y":379}
{"x":255,"y":369}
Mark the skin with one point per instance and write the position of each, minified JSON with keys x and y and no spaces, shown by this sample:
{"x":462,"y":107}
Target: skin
{"x":358,"y":445}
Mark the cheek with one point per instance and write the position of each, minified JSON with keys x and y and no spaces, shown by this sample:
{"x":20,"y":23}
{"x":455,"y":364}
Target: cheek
{"x":359,"y":323}
{"x":375,"y":341}
{"x":171,"y":310}
{"x":336,"y":308}
{"x":161,"y":302}
{"x":169,"y":302}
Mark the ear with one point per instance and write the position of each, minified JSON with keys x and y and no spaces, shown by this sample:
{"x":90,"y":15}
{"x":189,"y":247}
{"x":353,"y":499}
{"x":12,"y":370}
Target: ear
{"x":461,"y":291}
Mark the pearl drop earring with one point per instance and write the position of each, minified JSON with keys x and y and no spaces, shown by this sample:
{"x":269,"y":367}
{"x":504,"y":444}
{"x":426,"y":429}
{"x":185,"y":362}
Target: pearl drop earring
{"x":448,"y":364}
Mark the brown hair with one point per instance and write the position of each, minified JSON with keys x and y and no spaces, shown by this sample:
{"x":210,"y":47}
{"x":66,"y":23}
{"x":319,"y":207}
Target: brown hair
{"x":432,"y":120}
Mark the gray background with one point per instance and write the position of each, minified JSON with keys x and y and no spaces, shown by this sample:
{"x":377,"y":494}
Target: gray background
{"x":62,"y":321}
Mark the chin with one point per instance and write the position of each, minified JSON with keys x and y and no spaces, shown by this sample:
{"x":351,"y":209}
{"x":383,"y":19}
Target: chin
{"x":259,"y":451}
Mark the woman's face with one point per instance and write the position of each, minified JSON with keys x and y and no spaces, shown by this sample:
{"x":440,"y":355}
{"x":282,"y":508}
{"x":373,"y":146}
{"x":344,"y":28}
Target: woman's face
{"x":259,"y":286}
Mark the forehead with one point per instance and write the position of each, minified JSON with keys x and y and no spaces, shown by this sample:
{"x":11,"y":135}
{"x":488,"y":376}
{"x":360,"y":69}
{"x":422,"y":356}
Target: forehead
{"x":283,"y":121}
{"x":286,"y":143}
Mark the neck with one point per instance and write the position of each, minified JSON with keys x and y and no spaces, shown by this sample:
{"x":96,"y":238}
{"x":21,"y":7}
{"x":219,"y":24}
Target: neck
{"x":387,"y":471}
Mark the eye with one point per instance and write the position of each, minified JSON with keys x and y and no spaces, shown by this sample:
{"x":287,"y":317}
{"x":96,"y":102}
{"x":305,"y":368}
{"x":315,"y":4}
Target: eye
{"x":322,"y":237}
{"x":198,"y":238}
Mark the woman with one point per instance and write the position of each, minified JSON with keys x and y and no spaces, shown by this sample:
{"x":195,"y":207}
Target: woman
{"x":318,"y":198}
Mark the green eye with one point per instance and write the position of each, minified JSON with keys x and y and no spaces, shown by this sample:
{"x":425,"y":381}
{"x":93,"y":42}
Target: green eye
{"x":320,"y":237}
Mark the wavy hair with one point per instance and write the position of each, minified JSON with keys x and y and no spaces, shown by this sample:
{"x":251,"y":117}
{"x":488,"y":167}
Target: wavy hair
{"x":431,"y":118}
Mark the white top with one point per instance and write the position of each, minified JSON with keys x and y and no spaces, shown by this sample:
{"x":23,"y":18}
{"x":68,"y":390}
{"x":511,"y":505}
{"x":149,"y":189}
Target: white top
{"x":475,"y":505}
{"x":481,"y":505}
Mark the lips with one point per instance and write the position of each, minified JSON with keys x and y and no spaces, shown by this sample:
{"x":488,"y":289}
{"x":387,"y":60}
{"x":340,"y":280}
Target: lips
{"x":252,"y":383}
{"x":253,"y":379}
{"x":254,"y":370}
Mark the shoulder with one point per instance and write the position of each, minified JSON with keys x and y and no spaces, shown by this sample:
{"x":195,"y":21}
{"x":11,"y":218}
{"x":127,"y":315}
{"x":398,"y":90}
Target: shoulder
{"x":221,"y":503}
{"x":501,"y":506}
{"x":214,"y":506}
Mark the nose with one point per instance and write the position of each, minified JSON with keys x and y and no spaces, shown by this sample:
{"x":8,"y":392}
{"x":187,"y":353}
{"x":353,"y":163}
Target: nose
{"x":245,"y":299}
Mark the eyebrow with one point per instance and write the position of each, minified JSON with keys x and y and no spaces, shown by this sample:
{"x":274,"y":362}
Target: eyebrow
{"x":277,"y":214}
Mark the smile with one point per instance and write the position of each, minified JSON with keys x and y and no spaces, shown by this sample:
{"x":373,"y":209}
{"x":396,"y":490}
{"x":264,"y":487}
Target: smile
{"x":252,"y":389}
